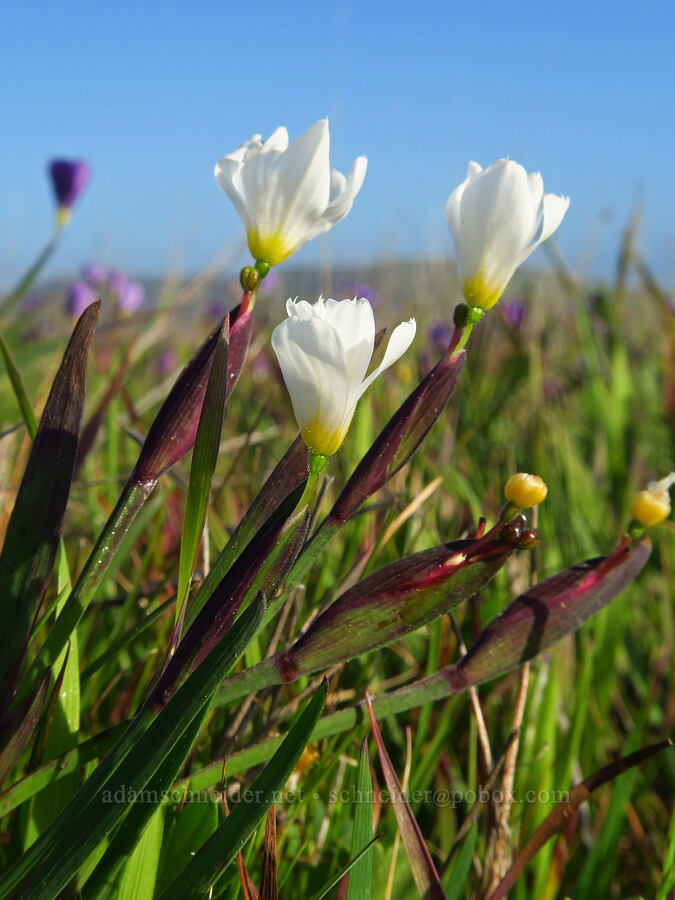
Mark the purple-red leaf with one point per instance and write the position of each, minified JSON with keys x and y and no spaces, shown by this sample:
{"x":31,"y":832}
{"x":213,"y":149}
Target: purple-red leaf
{"x":393,"y":601}
{"x":262,"y":566}
{"x":35,"y":525}
{"x":174,"y":429}
{"x":289,"y":473}
{"x":400,"y":437}
{"x":19,"y":726}
{"x":423,"y":870}
{"x":546,"y":613}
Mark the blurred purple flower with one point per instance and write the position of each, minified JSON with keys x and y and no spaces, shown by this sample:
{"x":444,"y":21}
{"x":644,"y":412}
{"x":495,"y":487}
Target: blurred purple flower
{"x":78,"y":297}
{"x":361,"y":289}
{"x":117,"y":282}
{"x":440,"y":335}
{"x":69,"y":179}
{"x":167,"y":362}
{"x":130,"y":297}
{"x":96,"y":274}
{"x":215,"y":311}
{"x":270,"y":281}
{"x":514,"y":312}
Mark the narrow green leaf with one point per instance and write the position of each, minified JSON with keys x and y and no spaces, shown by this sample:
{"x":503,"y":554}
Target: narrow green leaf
{"x":204,"y":458}
{"x":187,"y":828}
{"x":35,"y":525}
{"x":359,"y":881}
{"x":668,"y":871}
{"x":132,"y":830}
{"x":52,"y":771}
{"x":365,"y":851}
{"x":94,"y":811}
{"x":9,"y":301}
{"x":125,"y":640}
{"x":457,"y":875}
{"x":19,"y":390}
{"x":140,"y":872}
{"x":205,"y":868}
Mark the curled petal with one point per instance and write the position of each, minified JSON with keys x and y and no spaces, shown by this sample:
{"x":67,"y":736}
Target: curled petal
{"x":286,"y":194}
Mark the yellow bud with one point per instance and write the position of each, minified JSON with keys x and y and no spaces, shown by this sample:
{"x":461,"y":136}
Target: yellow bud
{"x":525,"y":490}
{"x":652,"y":505}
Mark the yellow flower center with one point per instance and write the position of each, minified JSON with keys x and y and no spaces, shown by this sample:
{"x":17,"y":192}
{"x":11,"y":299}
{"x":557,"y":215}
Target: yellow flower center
{"x":477,"y":292}
{"x":320,"y":439}
{"x":271,"y":247}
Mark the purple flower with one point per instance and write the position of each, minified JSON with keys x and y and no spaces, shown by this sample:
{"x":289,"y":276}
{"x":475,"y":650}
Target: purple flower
{"x":440,"y":335}
{"x":361,"y":289}
{"x":117,"y":282}
{"x":167,"y":362}
{"x":215,"y":311}
{"x":514,"y":312}
{"x":95,"y":274}
{"x":69,"y":178}
{"x":270,"y":281}
{"x":130,"y":297}
{"x":79,"y":296}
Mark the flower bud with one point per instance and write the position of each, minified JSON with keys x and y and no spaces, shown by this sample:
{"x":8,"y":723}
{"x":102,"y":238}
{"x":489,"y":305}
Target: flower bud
{"x":249,"y":278}
{"x":69,"y":179}
{"x":525,"y":490}
{"x":460,"y":316}
{"x":652,"y":506}
{"x":528,"y":539}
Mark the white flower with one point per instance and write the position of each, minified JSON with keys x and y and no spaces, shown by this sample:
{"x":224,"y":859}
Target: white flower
{"x":497,"y":217}
{"x":324,"y":351}
{"x":287,"y":195}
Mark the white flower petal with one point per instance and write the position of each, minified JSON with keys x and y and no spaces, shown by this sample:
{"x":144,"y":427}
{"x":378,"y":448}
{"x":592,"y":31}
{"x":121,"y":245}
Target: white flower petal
{"x":313,"y":364}
{"x":324,"y":350}
{"x":497,"y":216}
{"x":286,"y":194}
{"x":401,"y":338}
{"x":553,"y":211}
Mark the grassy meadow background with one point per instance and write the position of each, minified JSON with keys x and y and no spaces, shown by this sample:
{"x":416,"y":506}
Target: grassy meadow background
{"x":569,"y":380}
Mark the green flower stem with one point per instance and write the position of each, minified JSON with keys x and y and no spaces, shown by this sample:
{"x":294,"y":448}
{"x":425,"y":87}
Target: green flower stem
{"x":128,"y":506}
{"x":466,"y":334}
{"x":317,"y":463}
{"x":428,"y":690}
{"x":9,"y":302}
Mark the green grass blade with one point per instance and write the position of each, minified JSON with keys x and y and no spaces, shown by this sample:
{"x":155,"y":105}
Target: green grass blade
{"x":202,"y":872}
{"x":91,"y":815}
{"x":19,"y":390}
{"x":140,"y":873}
{"x":204,"y":458}
{"x":132,"y":830}
{"x":364,"y":853}
{"x":457,"y":875}
{"x":359,"y":881}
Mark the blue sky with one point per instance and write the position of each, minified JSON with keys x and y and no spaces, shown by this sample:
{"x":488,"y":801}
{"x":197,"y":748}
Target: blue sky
{"x":152,"y":94}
